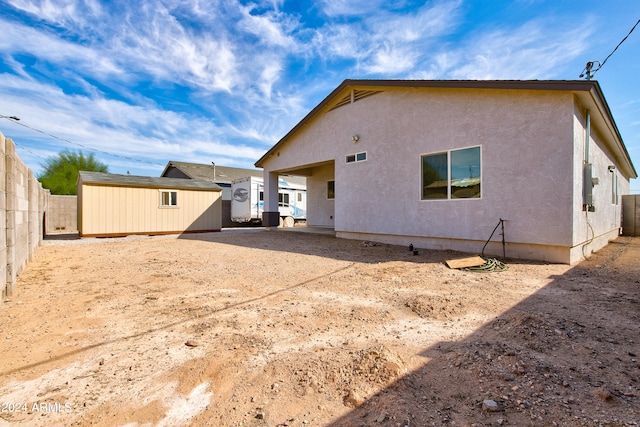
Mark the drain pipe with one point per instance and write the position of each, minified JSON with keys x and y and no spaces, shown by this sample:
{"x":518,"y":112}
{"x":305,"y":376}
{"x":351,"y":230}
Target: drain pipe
{"x":588,"y":139}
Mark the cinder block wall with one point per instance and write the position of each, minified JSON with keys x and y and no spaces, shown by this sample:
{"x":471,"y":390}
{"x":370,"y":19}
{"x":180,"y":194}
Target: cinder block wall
{"x":62,"y":214}
{"x":631,"y":215}
{"x":3,"y":218}
{"x":23,"y":203}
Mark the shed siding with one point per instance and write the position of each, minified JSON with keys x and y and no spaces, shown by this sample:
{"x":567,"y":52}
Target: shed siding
{"x":112,"y":210}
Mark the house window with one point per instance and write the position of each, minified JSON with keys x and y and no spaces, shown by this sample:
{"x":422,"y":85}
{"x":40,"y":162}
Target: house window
{"x":331,"y":193}
{"x":168,"y":198}
{"x":455,"y":174}
{"x":358,"y":157}
{"x":614,"y":187}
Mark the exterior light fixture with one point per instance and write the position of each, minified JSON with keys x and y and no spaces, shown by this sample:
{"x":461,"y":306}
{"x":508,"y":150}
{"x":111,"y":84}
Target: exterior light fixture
{"x":355,"y":138}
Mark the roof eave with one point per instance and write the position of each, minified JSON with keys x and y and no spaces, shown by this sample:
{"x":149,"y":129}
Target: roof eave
{"x":172,"y":164}
{"x":116,"y":180}
{"x":580,"y":85}
{"x":590,"y":86}
{"x":619,"y":147}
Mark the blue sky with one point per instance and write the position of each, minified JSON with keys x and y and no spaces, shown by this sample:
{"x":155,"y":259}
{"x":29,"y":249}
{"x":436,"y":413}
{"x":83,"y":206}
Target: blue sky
{"x":147,"y":81}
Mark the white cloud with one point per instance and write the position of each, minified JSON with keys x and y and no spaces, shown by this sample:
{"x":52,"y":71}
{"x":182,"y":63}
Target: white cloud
{"x":225,"y":79}
{"x":116,"y":127}
{"x":345,"y":41}
{"x":146,"y":42}
{"x":388,"y":42}
{"x":61,"y":12}
{"x":153,"y":42}
{"x":390,"y":59}
{"x":270,"y":74}
{"x":531,"y":51}
{"x":431,"y":20}
{"x":272,"y":28}
{"x":15,"y":38}
{"x":350,"y":7}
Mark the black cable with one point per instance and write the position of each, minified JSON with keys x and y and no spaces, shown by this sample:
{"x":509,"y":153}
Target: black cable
{"x":590,"y":72}
{"x":491,"y":265}
{"x":494,"y":230}
{"x":83,"y":146}
{"x":28,"y":151}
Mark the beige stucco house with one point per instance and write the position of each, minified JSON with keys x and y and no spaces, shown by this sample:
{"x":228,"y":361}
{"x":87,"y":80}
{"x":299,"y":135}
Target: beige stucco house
{"x":120,"y":205}
{"x":438,"y":164}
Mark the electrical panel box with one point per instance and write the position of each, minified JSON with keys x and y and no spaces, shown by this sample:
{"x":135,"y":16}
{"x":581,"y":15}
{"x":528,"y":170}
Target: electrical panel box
{"x":587,"y":185}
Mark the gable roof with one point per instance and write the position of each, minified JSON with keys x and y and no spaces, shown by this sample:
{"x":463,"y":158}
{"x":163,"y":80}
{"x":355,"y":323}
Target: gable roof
{"x":115,"y":180}
{"x":223,"y":174}
{"x":587,"y":91}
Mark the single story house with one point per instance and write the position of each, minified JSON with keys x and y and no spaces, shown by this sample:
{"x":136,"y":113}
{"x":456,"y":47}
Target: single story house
{"x":439,"y":164}
{"x":120,"y":205}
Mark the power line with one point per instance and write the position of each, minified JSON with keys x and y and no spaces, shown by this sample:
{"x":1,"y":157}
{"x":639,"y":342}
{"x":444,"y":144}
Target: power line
{"x":28,"y":151}
{"x":15,"y":120}
{"x":588,"y":69}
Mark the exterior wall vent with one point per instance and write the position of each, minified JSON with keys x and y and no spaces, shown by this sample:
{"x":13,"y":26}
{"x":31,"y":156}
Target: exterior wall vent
{"x":353,"y":96}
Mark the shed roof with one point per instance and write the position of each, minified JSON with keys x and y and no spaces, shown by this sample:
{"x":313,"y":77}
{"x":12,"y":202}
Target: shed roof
{"x":115,"y":180}
{"x":587,"y":91}
{"x":223,"y":174}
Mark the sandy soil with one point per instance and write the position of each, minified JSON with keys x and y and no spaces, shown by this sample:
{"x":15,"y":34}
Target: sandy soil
{"x":255,"y":328}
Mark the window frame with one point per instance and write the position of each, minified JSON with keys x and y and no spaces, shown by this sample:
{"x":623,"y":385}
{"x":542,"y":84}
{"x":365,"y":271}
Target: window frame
{"x":331,"y":189}
{"x":172,"y":198}
{"x":283,"y":199}
{"x":353,"y":157}
{"x":449,"y":179}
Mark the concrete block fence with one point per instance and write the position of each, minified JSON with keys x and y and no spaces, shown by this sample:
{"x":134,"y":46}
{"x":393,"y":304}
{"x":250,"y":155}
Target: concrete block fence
{"x":23,"y":203}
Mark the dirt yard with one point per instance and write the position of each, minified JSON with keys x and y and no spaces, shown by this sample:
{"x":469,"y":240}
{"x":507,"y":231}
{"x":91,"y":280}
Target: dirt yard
{"x":255,"y":328}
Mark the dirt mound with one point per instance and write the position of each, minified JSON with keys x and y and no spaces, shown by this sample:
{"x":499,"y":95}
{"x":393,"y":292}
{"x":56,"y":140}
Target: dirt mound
{"x":437,"y":307}
{"x":348,"y":375}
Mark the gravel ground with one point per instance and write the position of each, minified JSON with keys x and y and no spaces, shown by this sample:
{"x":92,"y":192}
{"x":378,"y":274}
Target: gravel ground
{"x":254,"y":328}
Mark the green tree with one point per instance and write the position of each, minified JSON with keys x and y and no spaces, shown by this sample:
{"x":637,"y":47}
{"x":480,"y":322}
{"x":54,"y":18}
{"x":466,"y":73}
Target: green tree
{"x":60,"y":173}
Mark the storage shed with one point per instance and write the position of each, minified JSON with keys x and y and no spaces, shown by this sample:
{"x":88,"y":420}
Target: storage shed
{"x":120,"y":205}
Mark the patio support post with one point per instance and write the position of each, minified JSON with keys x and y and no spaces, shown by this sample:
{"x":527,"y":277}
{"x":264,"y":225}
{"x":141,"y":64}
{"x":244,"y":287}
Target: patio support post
{"x":270,"y":215}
